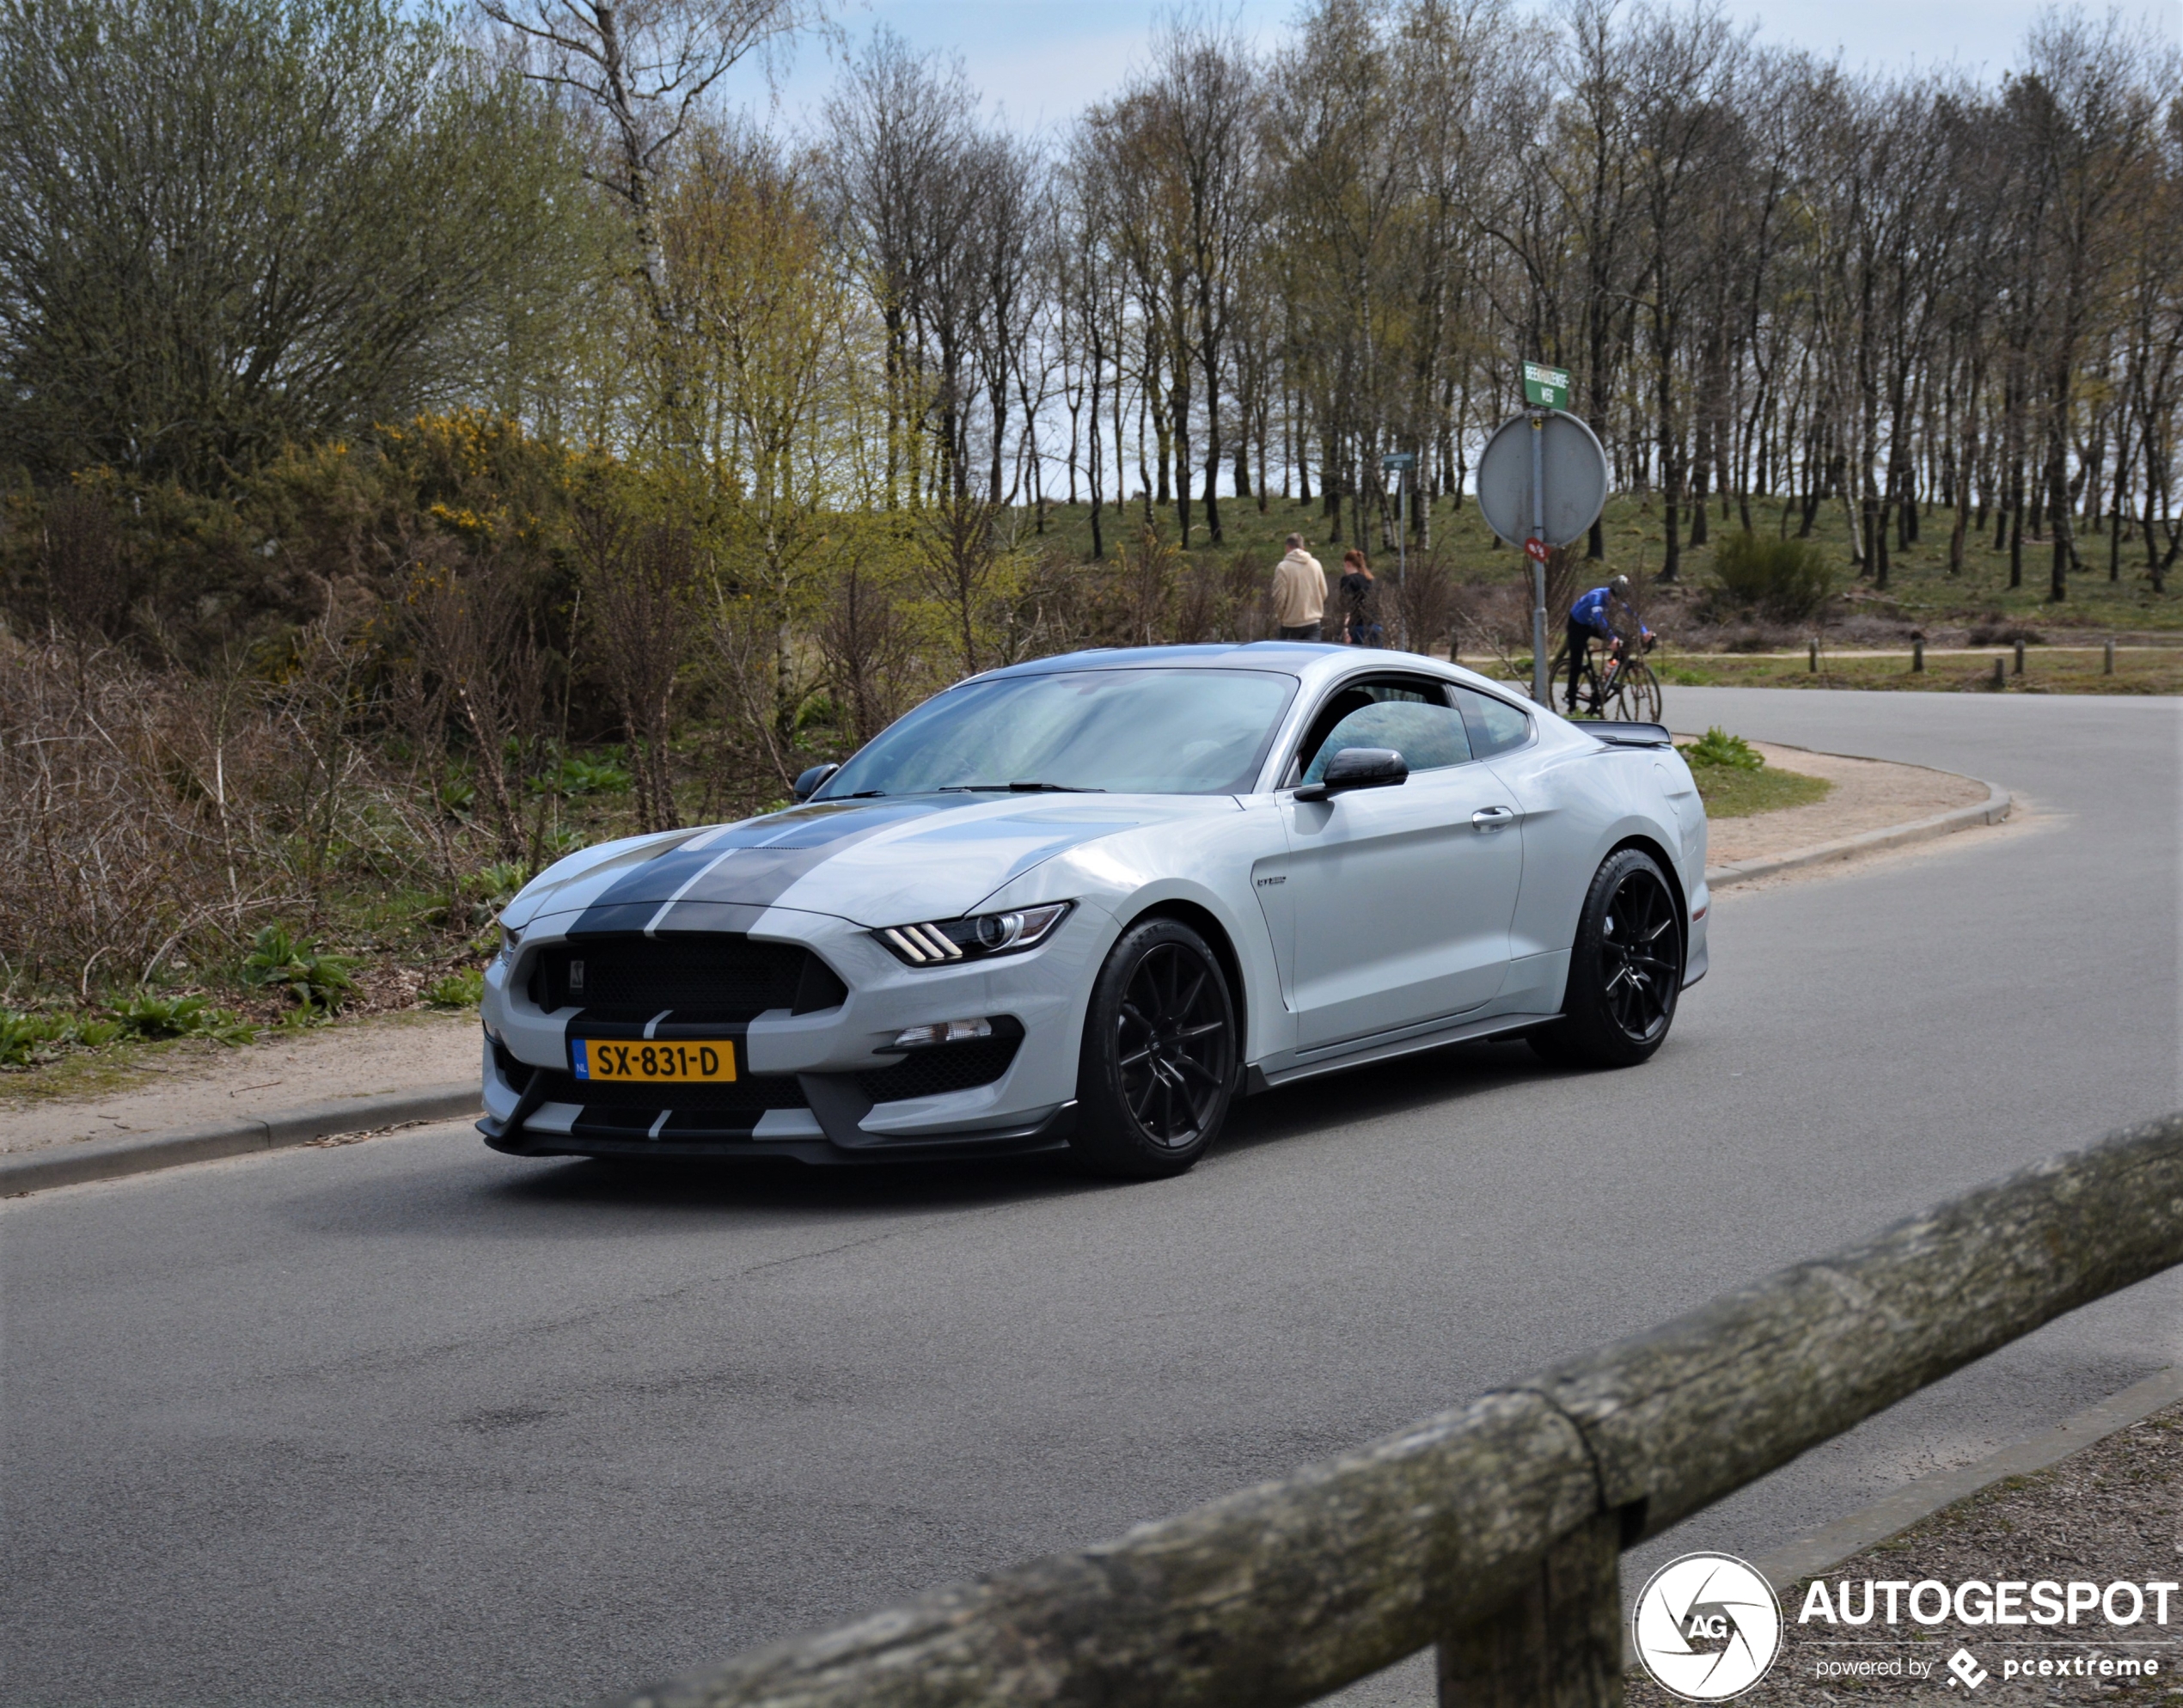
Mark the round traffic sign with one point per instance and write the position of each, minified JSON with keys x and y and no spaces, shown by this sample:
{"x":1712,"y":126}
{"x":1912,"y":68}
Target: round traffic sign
{"x":1575,"y":468}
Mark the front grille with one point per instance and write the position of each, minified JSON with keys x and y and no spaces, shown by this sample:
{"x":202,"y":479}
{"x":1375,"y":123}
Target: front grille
{"x":942,"y":1068}
{"x":752,"y":1095}
{"x":704,"y":978}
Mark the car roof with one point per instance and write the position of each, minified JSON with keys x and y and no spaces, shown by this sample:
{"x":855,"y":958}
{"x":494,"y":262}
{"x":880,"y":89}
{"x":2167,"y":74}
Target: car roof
{"x":1310,"y":661}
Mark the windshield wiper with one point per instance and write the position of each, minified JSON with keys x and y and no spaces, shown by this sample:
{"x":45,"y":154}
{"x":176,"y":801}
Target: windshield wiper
{"x":1019,"y":789}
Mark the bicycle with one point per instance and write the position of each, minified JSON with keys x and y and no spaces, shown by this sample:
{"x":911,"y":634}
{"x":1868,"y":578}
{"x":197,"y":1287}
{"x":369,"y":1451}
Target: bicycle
{"x":1625,"y":690}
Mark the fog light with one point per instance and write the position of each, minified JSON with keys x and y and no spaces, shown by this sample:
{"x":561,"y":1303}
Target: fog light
{"x":942,"y":1032}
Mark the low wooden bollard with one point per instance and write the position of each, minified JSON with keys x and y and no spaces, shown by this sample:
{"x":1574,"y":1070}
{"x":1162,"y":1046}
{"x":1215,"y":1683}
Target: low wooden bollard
{"x":2001,"y":673}
{"x":1815,"y":655}
{"x":1557,"y":1644}
{"x":2107,"y":664}
{"x":2019,"y":655}
{"x":1918,"y":656}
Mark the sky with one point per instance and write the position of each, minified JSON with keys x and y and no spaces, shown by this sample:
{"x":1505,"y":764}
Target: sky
{"x":1041,"y":62}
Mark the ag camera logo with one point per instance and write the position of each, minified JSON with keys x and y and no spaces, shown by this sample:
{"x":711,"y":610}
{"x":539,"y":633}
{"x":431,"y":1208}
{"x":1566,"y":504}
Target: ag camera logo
{"x":1706,"y":1627}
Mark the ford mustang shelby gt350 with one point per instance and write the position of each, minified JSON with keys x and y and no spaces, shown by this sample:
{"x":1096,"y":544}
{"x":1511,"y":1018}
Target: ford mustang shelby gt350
{"x":1089,"y":900}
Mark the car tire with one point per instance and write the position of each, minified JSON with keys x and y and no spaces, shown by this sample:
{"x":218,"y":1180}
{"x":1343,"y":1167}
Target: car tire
{"x":1158,"y":1070}
{"x":1625,"y":969}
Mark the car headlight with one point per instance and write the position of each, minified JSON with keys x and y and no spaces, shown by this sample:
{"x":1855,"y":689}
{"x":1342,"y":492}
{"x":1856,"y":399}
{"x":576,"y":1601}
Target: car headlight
{"x":511,"y":937}
{"x":943,"y":942}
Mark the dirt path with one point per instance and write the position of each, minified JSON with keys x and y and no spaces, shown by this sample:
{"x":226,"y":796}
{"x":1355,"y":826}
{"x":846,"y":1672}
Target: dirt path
{"x":196,"y":1084}
{"x":1868,"y":794}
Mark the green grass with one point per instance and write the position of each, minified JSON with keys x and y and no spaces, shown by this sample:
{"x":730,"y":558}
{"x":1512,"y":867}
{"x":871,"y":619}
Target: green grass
{"x":1730,"y":793}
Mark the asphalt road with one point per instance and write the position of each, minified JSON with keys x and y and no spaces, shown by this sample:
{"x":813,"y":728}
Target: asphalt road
{"x":405,"y":1421}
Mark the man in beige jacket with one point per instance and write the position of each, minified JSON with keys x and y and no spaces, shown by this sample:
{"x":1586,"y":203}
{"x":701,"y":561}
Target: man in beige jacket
{"x":1300,"y":592}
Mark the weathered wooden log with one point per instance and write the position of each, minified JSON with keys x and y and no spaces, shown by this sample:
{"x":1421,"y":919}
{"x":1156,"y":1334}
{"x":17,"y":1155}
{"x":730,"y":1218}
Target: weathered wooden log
{"x":1283,"y":1593}
{"x":1279,"y":1594}
{"x":1695,"y":1409}
{"x":1557,"y":1642}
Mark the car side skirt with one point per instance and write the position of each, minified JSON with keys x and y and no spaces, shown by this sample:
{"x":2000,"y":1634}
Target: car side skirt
{"x":1258,"y":1079}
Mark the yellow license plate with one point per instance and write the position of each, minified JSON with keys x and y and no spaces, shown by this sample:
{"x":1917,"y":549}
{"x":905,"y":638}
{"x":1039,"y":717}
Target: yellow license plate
{"x":680,"y":1063}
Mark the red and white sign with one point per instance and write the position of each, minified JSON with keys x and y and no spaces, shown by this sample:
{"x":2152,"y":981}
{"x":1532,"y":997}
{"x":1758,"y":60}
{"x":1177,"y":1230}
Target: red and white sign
{"x":1535,"y":550}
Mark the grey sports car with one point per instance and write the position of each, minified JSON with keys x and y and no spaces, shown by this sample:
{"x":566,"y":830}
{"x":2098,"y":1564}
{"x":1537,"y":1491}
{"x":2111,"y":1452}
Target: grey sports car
{"x":1088,"y":902}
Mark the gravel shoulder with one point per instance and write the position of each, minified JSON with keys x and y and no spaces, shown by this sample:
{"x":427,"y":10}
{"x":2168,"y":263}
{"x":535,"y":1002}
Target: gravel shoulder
{"x":196,"y":1083}
{"x":1868,"y":794}
{"x":2113,"y":1513}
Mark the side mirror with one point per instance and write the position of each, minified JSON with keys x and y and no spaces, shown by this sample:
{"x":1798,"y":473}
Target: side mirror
{"x":813,"y":780}
{"x":1358,"y":768}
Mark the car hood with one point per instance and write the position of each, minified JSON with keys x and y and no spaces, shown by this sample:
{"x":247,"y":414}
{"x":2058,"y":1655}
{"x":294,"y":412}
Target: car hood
{"x":881,"y":862}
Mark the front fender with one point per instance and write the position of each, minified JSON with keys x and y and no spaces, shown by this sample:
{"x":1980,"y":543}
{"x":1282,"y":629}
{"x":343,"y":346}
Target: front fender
{"x":1128,"y":876}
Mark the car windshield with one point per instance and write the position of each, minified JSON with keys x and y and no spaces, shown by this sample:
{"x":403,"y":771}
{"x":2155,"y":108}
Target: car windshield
{"x":1142,"y":732}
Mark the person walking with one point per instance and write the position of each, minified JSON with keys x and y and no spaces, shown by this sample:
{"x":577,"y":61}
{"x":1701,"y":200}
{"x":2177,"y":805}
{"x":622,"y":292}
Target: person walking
{"x":1359,"y":627}
{"x":1300,"y":593}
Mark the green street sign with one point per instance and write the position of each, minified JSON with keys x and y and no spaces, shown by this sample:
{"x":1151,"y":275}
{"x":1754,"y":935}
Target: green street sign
{"x":1395,"y":459}
{"x":1546,"y":388}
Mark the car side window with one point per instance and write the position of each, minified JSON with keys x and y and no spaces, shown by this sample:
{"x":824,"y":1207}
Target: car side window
{"x":1429,"y":735}
{"x":1495,"y":725}
{"x":1354,"y":696}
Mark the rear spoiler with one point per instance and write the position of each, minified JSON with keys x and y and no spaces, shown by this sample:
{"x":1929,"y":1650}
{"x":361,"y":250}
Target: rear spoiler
{"x":1628,"y":735}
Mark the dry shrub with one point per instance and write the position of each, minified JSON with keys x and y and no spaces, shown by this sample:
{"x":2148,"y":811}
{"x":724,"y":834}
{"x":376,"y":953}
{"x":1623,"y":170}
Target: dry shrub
{"x":641,"y":580}
{"x":1144,"y":579}
{"x":1422,"y":599}
{"x":1230,"y":600}
{"x":869,"y":646}
{"x":471,"y":661}
{"x":140,"y":808}
{"x":87,"y":577}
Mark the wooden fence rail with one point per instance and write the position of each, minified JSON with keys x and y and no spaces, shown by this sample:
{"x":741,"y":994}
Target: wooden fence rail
{"x":1494,"y":1531}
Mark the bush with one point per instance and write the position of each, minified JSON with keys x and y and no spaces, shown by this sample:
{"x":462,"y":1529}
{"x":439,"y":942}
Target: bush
{"x":317,"y":981}
{"x":1783,"y":578}
{"x":463,"y":989}
{"x":1718,"y":747}
{"x":26,"y":1038}
{"x":150,"y":1016}
{"x":582,"y":776}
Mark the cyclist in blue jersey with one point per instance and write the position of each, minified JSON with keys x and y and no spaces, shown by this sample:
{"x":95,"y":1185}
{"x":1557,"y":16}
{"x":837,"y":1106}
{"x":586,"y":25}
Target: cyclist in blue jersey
{"x":1588,"y":620}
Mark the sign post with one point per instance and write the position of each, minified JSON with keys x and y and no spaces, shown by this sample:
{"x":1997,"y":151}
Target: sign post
{"x":1399,"y":464}
{"x":1542,"y":482}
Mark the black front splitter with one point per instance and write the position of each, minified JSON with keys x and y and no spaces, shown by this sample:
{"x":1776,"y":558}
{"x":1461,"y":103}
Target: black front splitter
{"x":1051,"y":1134}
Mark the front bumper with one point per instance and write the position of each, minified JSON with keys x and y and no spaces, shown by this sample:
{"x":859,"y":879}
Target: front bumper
{"x":1050,"y":1133}
{"x":820,"y":1086}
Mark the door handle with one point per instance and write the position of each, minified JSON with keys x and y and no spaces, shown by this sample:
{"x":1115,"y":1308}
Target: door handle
{"x":1492,"y":817}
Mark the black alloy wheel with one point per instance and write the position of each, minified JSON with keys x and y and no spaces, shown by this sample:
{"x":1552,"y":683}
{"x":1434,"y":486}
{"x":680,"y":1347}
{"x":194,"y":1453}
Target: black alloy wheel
{"x":1158,"y":1067}
{"x":1625,"y":969}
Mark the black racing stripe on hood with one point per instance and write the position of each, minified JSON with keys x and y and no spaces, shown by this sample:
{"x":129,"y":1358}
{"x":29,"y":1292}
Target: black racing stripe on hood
{"x":753,"y":863}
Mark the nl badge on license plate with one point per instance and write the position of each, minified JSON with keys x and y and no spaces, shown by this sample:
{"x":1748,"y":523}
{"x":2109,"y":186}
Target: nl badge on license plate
{"x":709,"y":1060}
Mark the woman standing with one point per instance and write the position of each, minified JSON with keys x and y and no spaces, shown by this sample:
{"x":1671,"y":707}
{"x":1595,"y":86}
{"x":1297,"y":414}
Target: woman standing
{"x":1360,"y":614}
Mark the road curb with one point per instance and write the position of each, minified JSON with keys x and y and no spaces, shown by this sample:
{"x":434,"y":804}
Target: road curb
{"x":1828,"y":1546}
{"x":113,"y":1158}
{"x":1996,"y":807}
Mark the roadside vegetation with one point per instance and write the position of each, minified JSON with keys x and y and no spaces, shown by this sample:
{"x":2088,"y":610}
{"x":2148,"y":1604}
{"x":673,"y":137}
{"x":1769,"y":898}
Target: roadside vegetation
{"x":1735,"y":779}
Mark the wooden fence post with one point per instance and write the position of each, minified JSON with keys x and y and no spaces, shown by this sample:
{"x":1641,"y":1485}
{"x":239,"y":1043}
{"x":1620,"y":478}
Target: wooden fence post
{"x":1557,"y":1644}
